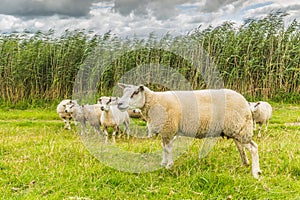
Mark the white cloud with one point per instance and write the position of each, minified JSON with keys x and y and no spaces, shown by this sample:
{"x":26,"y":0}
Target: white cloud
{"x":126,"y":17}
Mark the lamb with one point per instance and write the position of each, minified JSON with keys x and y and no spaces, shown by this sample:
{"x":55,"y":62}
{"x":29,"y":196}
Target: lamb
{"x":112,"y":117}
{"x":76,"y":111}
{"x":261,"y":113}
{"x":198,"y":113}
{"x":66,"y":117}
{"x":92,"y":114}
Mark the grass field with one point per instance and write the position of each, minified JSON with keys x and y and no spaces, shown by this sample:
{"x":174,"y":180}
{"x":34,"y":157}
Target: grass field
{"x":41,"y":160}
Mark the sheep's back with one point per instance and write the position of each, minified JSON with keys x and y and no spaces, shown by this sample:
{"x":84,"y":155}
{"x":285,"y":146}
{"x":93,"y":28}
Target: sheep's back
{"x":211,"y":113}
{"x":264,"y":112}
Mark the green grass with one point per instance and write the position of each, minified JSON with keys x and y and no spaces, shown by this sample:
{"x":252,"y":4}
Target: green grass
{"x":41,"y":160}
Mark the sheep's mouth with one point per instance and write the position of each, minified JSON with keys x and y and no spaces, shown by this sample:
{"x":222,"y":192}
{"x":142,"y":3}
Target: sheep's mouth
{"x":123,"y":108}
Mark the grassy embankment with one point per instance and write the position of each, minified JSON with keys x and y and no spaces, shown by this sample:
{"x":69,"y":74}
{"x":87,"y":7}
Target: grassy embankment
{"x":41,"y":160}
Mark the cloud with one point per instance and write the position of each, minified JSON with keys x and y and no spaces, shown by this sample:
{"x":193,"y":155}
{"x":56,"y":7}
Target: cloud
{"x":159,"y":9}
{"x":33,"y":8}
{"x":215,"y":5}
{"x":129,"y":17}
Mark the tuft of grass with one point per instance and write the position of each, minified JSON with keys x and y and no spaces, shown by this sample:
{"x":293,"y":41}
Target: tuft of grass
{"x":41,"y":160}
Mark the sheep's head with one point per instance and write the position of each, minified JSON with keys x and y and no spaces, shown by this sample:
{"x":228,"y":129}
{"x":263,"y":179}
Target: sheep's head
{"x":69,"y":108}
{"x":106,"y":102}
{"x":133,"y":96}
{"x":254,"y":106}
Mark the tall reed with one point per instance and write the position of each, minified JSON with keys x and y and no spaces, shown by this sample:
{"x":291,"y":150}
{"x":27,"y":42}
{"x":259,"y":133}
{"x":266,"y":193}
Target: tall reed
{"x":260,"y":59}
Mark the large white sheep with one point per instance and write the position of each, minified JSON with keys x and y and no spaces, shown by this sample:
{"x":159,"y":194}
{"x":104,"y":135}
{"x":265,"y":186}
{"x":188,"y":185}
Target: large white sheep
{"x":112,"y":117}
{"x":66,"y":117}
{"x":76,"y":111}
{"x":199,"y":114}
{"x":261,"y":113}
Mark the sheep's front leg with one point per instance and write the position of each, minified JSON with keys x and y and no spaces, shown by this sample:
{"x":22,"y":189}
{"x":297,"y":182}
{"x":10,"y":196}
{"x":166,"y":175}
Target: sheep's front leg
{"x":259,"y":130}
{"x":253,"y":148}
{"x":82,"y":131}
{"x":167,"y":159}
{"x":67,"y":124}
{"x":242,"y":152}
{"x":97,"y":129}
{"x":105,"y":135}
{"x":114,"y":134}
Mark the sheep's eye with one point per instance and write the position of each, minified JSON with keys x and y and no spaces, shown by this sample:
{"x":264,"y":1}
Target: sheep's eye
{"x":134,"y":93}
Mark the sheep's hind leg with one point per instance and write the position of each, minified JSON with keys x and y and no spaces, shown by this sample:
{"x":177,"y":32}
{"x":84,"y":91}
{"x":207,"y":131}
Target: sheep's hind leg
{"x":253,"y":148}
{"x":167,"y":160}
{"x":127,"y":131}
{"x":242,"y":152}
{"x":267,"y":124}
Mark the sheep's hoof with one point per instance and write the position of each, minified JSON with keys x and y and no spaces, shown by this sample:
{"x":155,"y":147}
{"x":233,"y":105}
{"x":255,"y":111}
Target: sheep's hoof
{"x":169,"y":165}
{"x":256,"y":174}
{"x":246,"y":163}
{"x":163,"y":164}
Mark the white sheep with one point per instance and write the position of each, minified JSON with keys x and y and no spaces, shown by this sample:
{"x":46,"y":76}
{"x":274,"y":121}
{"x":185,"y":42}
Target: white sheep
{"x":66,"y":117}
{"x":261,"y":113}
{"x":112,"y":117}
{"x":198,"y":113}
{"x":76,"y":111}
{"x":136,"y":113}
{"x":92,"y":114}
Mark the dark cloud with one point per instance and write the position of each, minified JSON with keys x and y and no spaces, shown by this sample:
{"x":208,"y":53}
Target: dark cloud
{"x":46,"y":7}
{"x":160,"y":9}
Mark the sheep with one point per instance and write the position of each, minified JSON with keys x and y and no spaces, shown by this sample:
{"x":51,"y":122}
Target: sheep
{"x":198,"y":114}
{"x":92,"y":114}
{"x":76,"y":111}
{"x":136,"y":113}
{"x":66,"y":117}
{"x":261,"y":113}
{"x":86,"y":113}
{"x":112,"y":117}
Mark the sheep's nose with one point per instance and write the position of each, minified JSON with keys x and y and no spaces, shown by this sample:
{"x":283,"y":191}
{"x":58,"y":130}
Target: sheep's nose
{"x":66,"y":111}
{"x":102,"y":108}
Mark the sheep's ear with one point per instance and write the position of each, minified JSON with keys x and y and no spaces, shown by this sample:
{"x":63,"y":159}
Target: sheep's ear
{"x":122,"y":85}
{"x":141,"y":88}
{"x":257,"y":104}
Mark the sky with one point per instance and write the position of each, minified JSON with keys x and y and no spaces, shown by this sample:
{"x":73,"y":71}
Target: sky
{"x":135,"y":17}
